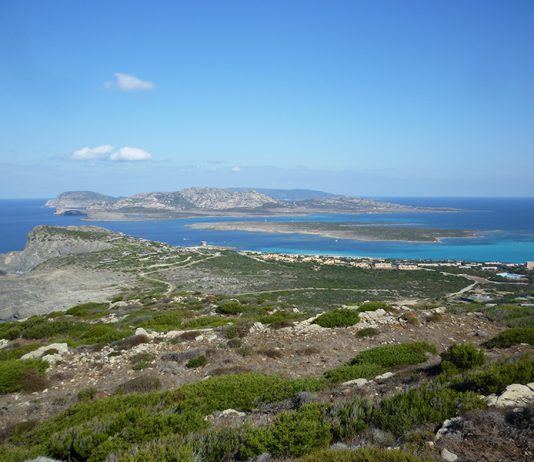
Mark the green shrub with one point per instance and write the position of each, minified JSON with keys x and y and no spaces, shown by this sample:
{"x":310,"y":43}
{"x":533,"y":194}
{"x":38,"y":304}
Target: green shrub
{"x":513,"y":336}
{"x":367,"y":332}
{"x":231,"y":332}
{"x":360,"y":455}
{"x":17,"y":374}
{"x":427,"y":404}
{"x":198,"y":361}
{"x":15,"y":352}
{"x":461,"y":357}
{"x":235,"y":343}
{"x":93,"y":430}
{"x":395,"y":355}
{"x":373,"y":306}
{"x":348,"y":418}
{"x":87,"y":394}
{"x":497,"y":376}
{"x":435,"y":317}
{"x":241,"y":391}
{"x":141,"y":384}
{"x":10,"y":330}
{"x":102,"y":333}
{"x":167,"y":449}
{"x":341,"y":317}
{"x":295,"y":433}
{"x":89,"y":310}
{"x":356,"y":371}
{"x":232,"y":308}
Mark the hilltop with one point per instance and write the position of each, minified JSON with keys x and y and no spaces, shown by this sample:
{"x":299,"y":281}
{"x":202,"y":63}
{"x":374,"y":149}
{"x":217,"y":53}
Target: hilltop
{"x":216,"y":201}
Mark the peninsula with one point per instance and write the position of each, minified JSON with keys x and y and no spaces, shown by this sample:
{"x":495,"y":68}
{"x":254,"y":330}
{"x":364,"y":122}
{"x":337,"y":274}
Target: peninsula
{"x":355,"y":231}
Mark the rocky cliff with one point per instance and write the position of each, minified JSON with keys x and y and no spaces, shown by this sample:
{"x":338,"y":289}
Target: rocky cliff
{"x":46,"y":242}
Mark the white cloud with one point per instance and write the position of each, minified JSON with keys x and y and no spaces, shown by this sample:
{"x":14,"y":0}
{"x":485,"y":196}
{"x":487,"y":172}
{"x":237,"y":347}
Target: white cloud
{"x":126,"y":82}
{"x":237,"y":168}
{"x":130,"y":154}
{"x":88,"y":153}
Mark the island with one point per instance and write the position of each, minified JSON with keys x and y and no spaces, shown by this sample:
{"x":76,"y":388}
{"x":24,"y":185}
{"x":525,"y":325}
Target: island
{"x":193,"y":202}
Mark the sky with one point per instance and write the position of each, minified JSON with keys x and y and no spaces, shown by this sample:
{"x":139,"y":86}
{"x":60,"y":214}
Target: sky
{"x":368,"y":98}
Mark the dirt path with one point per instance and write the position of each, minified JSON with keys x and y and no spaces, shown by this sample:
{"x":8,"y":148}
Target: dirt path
{"x":163,"y":267}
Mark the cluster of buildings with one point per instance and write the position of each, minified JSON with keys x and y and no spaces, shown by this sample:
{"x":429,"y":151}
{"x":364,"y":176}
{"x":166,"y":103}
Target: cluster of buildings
{"x":405,"y":265}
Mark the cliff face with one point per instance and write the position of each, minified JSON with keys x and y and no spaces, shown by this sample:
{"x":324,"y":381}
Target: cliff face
{"x":46,"y":242}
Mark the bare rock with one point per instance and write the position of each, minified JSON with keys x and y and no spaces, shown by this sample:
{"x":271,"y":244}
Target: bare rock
{"x":515,"y":395}
{"x":52,"y":349}
{"x":448,"y":455}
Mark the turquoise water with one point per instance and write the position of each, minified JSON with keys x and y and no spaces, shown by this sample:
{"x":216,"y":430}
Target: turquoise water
{"x":506,"y":227}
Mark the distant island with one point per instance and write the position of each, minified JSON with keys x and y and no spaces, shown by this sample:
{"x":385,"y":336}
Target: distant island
{"x":354,"y":231}
{"x":199,"y":202}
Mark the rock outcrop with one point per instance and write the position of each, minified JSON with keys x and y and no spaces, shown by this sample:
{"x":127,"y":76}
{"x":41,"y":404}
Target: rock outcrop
{"x":515,"y":395}
{"x":46,"y":242}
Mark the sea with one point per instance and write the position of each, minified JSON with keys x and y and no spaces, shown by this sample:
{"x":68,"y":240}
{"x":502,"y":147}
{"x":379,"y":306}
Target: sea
{"x":505,"y":226}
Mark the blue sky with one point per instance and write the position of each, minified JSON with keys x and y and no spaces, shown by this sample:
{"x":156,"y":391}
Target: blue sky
{"x":373,"y":98}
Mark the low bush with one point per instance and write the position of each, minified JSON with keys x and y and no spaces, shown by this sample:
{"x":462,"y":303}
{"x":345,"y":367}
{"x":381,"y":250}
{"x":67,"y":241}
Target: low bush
{"x":374,"y":305}
{"x":341,"y":317}
{"x":231,"y":308}
{"x":428,"y":404}
{"x":497,"y":376}
{"x":141,"y":384}
{"x":102,"y":333}
{"x":198,"y":361}
{"x":16,"y":351}
{"x":435,"y":317}
{"x":513,"y":336}
{"x":348,"y":418}
{"x":87,"y":394}
{"x":360,"y":455}
{"x":130,"y":342}
{"x":17,"y":375}
{"x":295,"y":433}
{"x":395,"y":355}
{"x":356,"y":371}
{"x":235,"y":343}
{"x":89,"y":310}
{"x":241,"y":391}
{"x":461,"y":357}
{"x":32,"y":380}
{"x":367,"y":332}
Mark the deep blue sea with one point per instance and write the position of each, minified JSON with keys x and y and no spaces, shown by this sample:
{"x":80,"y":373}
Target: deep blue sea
{"x":506,"y":226}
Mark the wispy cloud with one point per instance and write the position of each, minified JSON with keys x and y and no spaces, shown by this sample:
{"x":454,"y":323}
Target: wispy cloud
{"x":105,"y":152}
{"x":127,"y":82}
{"x":237,"y":168}
{"x":88,"y":153}
{"x":130,"y":154}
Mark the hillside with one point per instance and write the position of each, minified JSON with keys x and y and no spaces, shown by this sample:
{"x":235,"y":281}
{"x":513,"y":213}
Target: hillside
{"x":206,"y":355}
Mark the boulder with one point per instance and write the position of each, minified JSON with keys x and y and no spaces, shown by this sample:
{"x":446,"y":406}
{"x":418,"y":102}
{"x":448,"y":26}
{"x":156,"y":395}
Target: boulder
{"x":515,"y":395}
{"x":60,"y":350}
{"x":3,"y":343}
{"x":448,"y":455}
{"x":385,"y":376}
{"x":356,"y":382}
